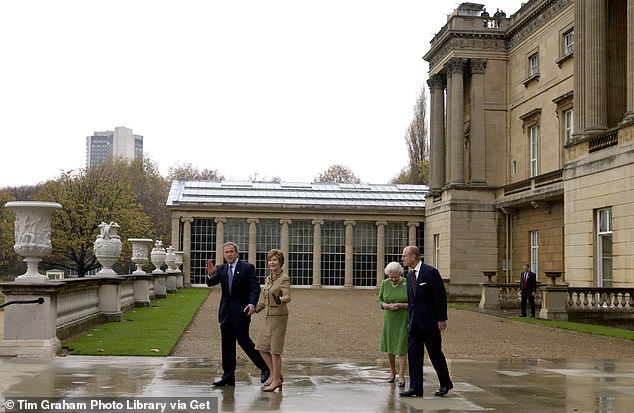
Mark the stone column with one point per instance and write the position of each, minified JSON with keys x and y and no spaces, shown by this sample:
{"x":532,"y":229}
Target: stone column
{"x":187,"y":250}
{"x":448,"y":106}
{"x":380,"y":252}
{"x":594,"y":38}
{"x":220,"y":238}
{"x":437,"y":84}
{"x":456,"y":156}
{"x":412,"y":233}
{"x":284,"y":240}
{"x":349,"y":263}
{"x":317,"y":223}
{"x":629,"y":114}
{"x":579,"y":71}
{"x":175,"y":231}
{"x":478,"y":129}
{"x":253,"y":238}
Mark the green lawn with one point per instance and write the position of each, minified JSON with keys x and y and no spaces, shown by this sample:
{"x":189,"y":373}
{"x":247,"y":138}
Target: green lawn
{"x":145,"y":331}
{"x":584,"y":328}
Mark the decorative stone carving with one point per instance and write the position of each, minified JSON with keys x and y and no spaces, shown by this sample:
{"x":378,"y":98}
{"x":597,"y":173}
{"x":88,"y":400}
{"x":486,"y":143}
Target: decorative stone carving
{"x":139,"y":253}
{"x":170,"y":260}
{"x":158,"y":257}
{"x":107,"y":248}
{"x":32,"y":234}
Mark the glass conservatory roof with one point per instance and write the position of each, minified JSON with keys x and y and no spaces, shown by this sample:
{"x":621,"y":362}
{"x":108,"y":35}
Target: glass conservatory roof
{"x":199,"y":193}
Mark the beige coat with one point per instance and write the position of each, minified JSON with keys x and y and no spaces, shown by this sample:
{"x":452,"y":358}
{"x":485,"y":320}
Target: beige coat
{"x":281,"y":287}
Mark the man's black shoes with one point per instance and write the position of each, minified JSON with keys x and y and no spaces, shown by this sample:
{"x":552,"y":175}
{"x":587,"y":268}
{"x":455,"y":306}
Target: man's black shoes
{"x":411,"y":393}
{"x":443,"y":390}
{"x":266,"y":373}
{"x":225,"y":382}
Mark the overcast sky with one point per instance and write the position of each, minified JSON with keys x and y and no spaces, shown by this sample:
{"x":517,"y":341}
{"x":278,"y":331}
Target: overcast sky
{"x":266,"y":87}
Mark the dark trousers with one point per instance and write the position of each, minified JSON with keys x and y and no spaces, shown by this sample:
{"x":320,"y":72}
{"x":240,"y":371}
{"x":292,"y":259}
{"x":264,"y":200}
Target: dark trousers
{"x":527,"y":296}
{"x":417,"y":341}
{"x":230,"y":332}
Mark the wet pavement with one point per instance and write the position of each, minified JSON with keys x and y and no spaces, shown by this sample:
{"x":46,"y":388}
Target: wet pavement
{"x":514,"y":385}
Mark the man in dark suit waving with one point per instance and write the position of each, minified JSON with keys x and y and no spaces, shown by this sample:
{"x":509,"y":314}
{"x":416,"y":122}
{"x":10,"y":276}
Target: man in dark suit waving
{"x":240,"y":293}
{"x":528,"y":286}
{"x":427,"y":301}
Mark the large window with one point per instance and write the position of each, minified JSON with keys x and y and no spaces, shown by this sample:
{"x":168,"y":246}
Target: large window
{"x":203,"y":246}
{"x":364,"y":254}
{"x":568,"y":42}
{"x":533,"y":150}
{"x":267,"y":238}
{"x":535,"y":252}
{"x":568,"y":119}
{"x":300,"y":253}
{"x":396,"y":239}
{"x":333,"y":253}
{"x":436,"y":250}
{"x":604,"y":247}
{"x":533,"y":65}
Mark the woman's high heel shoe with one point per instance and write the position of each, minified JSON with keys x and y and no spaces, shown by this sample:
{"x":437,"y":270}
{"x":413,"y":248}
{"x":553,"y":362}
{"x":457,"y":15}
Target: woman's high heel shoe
{"x":272,"y":388}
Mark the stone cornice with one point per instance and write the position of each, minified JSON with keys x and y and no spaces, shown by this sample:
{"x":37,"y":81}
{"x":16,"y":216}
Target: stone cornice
{"x":536,"y":19}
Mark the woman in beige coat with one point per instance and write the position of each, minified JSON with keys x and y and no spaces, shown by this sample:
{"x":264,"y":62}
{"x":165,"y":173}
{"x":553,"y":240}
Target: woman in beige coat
{"x":274,"y":296}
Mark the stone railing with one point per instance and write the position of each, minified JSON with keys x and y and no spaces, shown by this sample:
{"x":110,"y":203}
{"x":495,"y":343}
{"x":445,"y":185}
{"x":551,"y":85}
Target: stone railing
{"x":610,"y":306}
{"x":69,"y":306}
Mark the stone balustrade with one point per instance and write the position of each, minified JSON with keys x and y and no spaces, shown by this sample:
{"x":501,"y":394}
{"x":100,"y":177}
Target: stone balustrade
{"x":69,"y":306}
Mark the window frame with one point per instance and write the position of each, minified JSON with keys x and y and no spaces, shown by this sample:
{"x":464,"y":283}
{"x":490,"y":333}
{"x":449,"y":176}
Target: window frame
{"x":602,"y":235}
{"x":534,"y":252}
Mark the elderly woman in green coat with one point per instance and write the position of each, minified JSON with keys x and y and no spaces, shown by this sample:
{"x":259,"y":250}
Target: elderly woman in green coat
{"x":393,"y":301}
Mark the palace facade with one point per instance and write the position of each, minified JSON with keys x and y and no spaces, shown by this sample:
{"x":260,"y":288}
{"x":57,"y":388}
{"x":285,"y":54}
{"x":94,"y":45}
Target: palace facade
{"x":532,"y":146}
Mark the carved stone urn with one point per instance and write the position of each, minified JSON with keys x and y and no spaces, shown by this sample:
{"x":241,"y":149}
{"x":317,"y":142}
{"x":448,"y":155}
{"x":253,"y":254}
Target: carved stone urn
{"x":139,"y":253}
{"x":107,"y":248}
{"x":170,"y":260}
{"x":158,"y":257}
{"x":32,"y":234}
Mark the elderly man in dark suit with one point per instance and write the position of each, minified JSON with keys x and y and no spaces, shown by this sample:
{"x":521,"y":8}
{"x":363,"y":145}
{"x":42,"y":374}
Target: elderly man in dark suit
{"x":528,"y":287}
{"x":427,"y":300}
{"x":240,"y":293}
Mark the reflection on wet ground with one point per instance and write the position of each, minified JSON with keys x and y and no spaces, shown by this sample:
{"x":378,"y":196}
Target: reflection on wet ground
{"x":514,"y":385}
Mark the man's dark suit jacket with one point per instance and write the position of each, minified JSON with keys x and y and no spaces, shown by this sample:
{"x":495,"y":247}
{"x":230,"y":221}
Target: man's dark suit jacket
{"x":531,"y":283}
{"x":429,"y":305}
{"x":244,"y":291}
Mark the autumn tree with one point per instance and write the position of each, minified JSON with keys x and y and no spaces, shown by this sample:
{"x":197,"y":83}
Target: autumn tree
{"x":338,"y":174}
{"x":416,"y":139}
{"x":9,"y":260}
{"x":151,"y":189}
{"x":101,"y":194}
{"x":188,"y":172}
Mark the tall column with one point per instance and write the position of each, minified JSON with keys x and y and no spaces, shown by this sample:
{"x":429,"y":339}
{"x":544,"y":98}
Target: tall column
{"x":448,"y":107}
{"x":629,"y":114}
{"x":579,"y":90}
{"x":478,"y":129}
{"x":437,"y":84}
{"x":456,"y":157}
{"x":220,"y":238}
{"x":380,"y":252}
{"x":187,"y":250}
{"x":412,"y":233}
{"x":176,"y":231}
{"x":596,"y":102}
{"x":284,"y":241}
{"x":349,"y":263}
{"x":317,"y":223}
{"x":253,"y":239}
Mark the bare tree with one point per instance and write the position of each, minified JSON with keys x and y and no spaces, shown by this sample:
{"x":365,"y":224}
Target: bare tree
{"x":416,"y":139}
{"x":339,"y":174}
{"x":188,"y":172}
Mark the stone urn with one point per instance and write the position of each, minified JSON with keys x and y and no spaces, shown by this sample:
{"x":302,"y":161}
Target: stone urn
{"x":107,"y":248}
{"x":170,"y":260}
{"x":158,"y":257}
{"x":32,"y":234}
{"x":139,"y":253}
{"x":179,"y":259}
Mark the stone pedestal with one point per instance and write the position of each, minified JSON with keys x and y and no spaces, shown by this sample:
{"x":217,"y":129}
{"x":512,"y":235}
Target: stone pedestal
{"x":554,"y":302}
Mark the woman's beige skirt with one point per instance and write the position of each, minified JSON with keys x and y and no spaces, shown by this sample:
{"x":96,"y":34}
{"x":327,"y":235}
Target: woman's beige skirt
{"x":272,"y":334}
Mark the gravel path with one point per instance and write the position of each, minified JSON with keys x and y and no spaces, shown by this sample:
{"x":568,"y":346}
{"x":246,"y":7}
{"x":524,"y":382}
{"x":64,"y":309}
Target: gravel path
{"x":346,"y":324}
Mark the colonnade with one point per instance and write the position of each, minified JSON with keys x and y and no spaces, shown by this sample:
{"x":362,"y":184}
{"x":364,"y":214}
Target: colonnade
{"x":447,"y":155}
{"x":284,"y":245}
